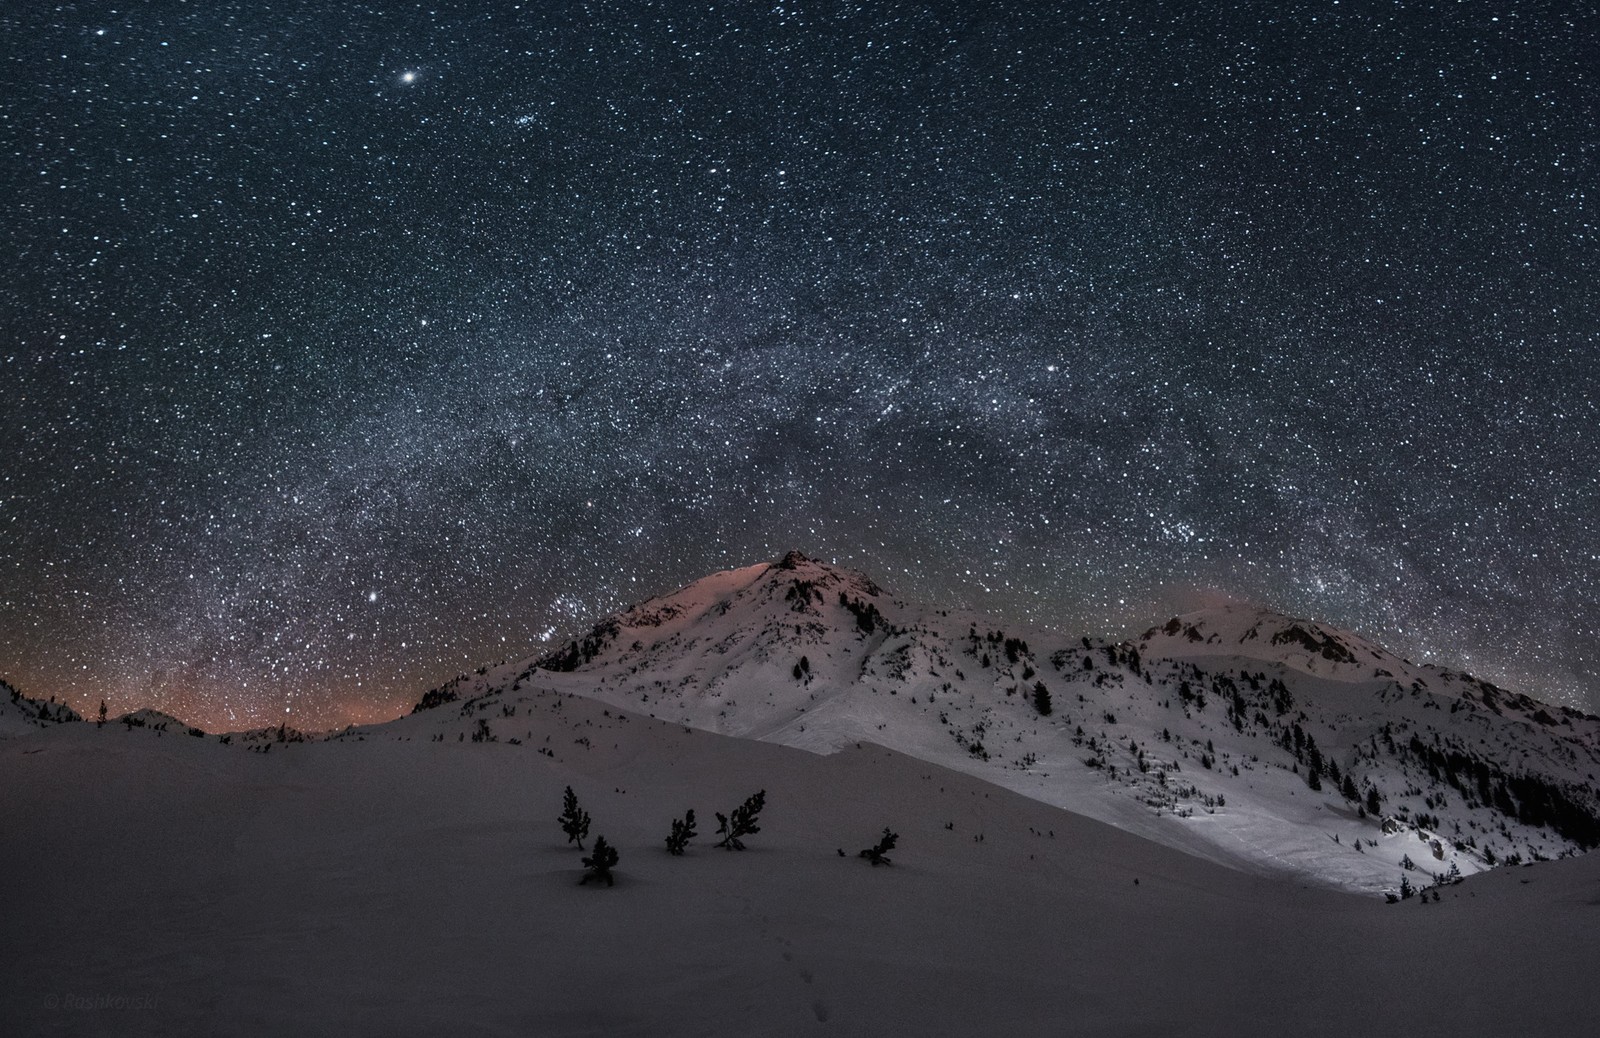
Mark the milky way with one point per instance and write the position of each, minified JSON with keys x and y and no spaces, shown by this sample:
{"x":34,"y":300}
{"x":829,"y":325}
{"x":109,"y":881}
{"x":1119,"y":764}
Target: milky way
{"x":347,"y":347}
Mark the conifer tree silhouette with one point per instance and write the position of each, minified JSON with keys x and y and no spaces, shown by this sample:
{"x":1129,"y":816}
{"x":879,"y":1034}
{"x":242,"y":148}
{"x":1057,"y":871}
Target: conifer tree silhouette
{"x":878,"y":855}
{"x":743,"y":822}
{"x":600,"y":863}
{"x":682,"y":833}
{"x":574,"y":819}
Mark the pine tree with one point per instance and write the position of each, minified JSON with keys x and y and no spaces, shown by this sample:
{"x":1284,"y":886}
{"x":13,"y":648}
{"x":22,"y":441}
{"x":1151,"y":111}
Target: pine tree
{"x":1348,"y":789}
{"x":878,"y":855}
{"x":1041,"y":700}
{"x":574,"y":819}
{"x":1406,"y":889}
{"x":101,"y":723}
{"x":682,"y":833}
{"x":743,"y":822}
{"x":600,"y":863}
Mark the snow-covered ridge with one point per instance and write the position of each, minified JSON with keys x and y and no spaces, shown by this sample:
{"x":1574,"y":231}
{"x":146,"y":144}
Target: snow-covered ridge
{"x":20,"y":714}
{"x":1252,"y":633}
{"x":1263,"y":741}
{"x":1249,"y":633}
{"x":156,"y":721}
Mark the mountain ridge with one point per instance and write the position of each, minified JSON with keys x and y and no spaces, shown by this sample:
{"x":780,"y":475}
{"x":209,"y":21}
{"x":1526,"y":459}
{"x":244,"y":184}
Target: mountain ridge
{"x":1318,"y":747}
{"x":21,"y":713}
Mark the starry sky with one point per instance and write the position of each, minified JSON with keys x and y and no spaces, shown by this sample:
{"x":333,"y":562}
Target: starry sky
{"x":348,"y":346}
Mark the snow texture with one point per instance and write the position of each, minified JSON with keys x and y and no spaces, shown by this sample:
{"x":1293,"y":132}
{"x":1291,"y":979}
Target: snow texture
{"x":405,"y":880}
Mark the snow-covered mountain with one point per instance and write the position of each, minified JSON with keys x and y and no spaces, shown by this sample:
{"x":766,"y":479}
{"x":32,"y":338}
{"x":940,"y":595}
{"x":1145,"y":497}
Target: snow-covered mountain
{"x":1238,"y":734}
{"x":157,"y":722}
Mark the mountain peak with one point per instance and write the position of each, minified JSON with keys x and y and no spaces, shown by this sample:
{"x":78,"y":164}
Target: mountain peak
{"x":799,"y":562}
{"x":793,"y":559}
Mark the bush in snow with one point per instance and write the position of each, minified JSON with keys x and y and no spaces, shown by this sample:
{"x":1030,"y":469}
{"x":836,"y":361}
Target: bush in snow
{"x":743,"y":822}
{"x":878,"y":855}
{"x":574,"y":819}
{"x":600,"y":863}
{"x":682,"y":833}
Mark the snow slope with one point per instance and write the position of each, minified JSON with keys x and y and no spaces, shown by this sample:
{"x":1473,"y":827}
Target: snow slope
{"x":404,"y":879}
{"x":1228,"y":733}
{"x":23,"y":715}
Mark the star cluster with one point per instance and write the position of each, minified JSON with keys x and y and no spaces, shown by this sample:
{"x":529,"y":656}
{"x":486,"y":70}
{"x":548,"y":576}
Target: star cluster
{"x":347,"y":346}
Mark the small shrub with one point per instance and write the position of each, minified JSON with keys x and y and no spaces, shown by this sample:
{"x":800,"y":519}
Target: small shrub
{"x":682,"y":833}
{"x":600,"y":863}
{"x":574,"y":819}
{"x":743,"y":822}
{"x":879,"y":854}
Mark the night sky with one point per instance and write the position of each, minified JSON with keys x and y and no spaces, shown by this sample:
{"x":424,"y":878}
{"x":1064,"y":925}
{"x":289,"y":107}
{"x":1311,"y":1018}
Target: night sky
{"x":350,"y":346}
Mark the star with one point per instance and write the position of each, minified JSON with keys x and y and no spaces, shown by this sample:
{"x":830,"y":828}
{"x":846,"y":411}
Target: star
{"x":1034,"y":315}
